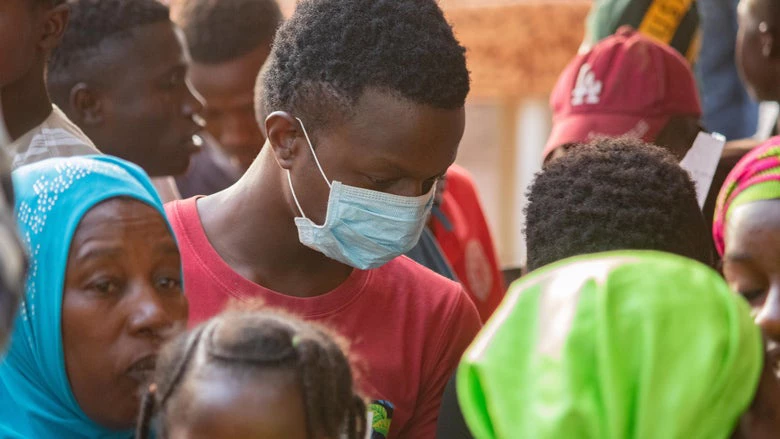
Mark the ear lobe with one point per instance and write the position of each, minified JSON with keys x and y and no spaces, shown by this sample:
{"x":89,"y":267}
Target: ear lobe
{"x":86,"y":104}
{"x":54,"y":26}
{"x":282,"y":131}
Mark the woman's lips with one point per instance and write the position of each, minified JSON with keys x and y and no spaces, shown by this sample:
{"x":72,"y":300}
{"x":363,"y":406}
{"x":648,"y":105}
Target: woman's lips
{"x":142,"y":369}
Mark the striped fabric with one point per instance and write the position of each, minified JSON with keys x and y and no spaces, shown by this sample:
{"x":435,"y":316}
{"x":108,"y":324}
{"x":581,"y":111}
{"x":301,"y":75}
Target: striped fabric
{"x":755,"y":178}
{"x":673,"y":22}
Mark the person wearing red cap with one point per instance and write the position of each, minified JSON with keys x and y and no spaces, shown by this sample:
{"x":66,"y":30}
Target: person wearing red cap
{"x":626,"y":85}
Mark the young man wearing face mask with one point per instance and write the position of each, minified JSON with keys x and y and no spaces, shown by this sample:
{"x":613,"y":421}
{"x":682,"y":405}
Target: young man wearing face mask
{"x":359,"y":126}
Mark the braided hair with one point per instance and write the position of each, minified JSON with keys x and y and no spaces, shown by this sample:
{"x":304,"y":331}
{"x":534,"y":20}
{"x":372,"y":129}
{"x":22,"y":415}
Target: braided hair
{"x":258,"y":341}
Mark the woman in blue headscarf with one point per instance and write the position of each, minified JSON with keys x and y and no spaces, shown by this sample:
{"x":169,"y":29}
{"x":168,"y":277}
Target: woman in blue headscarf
{"x":103,"y":293}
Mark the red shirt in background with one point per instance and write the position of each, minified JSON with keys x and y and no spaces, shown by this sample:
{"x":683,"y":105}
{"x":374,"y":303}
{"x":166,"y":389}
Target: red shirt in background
{"x":406,"y":325}
{"x":467,"y":243}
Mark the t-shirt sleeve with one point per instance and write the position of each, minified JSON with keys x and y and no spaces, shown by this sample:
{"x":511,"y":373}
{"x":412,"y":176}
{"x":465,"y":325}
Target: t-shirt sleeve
{"x":461,"y":326}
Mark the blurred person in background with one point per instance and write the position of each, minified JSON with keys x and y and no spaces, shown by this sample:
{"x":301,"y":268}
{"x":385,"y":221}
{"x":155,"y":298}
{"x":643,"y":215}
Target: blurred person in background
{"x":29,"y":32}
{"x":626,"y":85}
{"x":758,"y":48}
{"x":229,"y":41}
{"x":459,"y":226}
{"x":704,"y":32}
{"x":631,"y":85}
{"x":121,"y":75}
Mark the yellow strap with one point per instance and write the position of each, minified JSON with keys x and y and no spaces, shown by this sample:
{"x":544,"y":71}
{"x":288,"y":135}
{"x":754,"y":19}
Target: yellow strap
{"x":663,"y":17}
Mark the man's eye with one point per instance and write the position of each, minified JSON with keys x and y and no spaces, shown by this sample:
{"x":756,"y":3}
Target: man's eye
{"x":168,"y":283}
{"x":753,"y":296}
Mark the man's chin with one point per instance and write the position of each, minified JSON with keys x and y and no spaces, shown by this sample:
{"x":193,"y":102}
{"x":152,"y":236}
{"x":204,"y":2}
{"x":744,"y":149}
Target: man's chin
{"x":174,"y":167}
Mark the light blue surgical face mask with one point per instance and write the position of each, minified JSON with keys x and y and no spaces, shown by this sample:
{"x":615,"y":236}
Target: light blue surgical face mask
{"x":363,"y":228}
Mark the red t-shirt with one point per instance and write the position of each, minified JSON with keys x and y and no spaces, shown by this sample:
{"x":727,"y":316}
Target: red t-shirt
{"x":468,"y":245}
{"x":407,"y":326}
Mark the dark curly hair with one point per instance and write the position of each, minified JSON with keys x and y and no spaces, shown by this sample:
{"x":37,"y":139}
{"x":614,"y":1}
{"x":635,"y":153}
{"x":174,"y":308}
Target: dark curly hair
{"x":222,"y":30}
{"x":614,"y":194}
{"x":330,"y":51}
{"x":247,"y":343}
{"x":94,"y":21}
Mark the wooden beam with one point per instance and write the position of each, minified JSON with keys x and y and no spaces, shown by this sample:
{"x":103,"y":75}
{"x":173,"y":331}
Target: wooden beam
{"x":519,"y":50}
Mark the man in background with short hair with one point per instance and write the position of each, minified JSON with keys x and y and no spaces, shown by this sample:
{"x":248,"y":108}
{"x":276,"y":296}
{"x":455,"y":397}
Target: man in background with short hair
{"x":229,"y":41}
{"x":29,"y":31}
{"x":121,"y":76}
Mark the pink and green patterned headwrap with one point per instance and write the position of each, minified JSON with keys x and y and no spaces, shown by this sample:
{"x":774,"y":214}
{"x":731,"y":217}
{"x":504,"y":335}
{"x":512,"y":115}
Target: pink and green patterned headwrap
{"x":755,"y":178}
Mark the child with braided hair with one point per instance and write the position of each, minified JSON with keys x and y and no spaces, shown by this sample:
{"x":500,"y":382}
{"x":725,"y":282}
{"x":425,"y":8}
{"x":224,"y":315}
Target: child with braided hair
{"x":253,"y":375}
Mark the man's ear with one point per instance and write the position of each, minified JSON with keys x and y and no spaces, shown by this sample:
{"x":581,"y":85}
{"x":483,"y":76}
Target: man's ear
{"x":283,"y":131}
{"x":54,"y":25}
{"x":86,"y":105}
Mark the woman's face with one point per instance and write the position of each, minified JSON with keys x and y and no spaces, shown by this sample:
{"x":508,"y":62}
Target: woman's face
{"x":751,"y":264}
{"x":122,"y":299}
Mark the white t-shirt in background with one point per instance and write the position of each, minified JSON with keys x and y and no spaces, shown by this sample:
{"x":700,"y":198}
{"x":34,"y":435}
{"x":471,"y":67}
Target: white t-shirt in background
{"x":57,"y":136}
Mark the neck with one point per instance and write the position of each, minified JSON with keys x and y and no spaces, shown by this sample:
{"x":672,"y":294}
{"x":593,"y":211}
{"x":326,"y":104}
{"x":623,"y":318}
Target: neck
{"x":254,"y":224}
{"x":26,"y":102}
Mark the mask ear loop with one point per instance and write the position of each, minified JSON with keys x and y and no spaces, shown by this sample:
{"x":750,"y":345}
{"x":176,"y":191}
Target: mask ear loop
{"x":316,"y":160}
{"x":295,"y":197}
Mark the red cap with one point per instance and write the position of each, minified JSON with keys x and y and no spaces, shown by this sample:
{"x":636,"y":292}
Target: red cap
{"x":628,"y":84}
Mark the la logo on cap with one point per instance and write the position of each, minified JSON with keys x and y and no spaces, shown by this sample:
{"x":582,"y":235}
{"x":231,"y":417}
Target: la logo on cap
{"x":587,"y":89}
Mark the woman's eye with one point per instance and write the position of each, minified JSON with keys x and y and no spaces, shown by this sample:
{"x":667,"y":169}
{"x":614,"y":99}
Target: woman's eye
{"x":105,"y":286}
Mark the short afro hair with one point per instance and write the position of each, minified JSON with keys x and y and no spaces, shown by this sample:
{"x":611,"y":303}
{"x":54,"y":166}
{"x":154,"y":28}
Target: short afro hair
{"x":614,"y":194}
{"x":331,"y":51}
{"x":94,"y":21}
{"x":218,"y":31}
